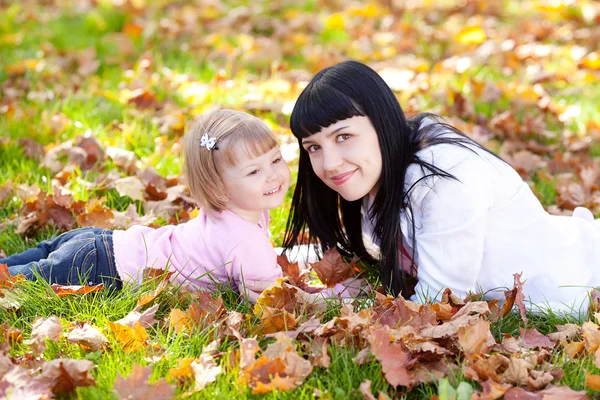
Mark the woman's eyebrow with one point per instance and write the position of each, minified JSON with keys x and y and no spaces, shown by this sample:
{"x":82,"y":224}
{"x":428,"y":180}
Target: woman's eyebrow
{"x":308,"y":141}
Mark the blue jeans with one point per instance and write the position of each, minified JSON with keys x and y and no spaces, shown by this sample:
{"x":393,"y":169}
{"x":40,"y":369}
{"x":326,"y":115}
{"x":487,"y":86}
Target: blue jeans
{"x":79,"y":257}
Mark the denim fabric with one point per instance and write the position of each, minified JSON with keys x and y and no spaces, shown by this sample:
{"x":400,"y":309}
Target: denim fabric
{"x":79,"y":257}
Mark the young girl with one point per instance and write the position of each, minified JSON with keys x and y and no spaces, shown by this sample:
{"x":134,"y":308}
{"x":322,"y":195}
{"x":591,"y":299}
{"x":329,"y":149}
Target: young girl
{"x":435,"y":205}
{"x":235,"y":173}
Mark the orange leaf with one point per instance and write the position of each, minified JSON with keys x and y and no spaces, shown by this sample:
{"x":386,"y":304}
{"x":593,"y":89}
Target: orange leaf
{"x":148,"y":297}
{"x":63,"y":291}
{"x":592,"y":381}
{"x":132,"y":339}
{"x":395,"y":358}
{"x":182,"y":371}
{"x":6,"y":279}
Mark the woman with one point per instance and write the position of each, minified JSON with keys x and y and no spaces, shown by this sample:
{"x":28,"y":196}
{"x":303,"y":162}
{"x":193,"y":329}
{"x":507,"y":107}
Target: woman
{"x":440,"y":207}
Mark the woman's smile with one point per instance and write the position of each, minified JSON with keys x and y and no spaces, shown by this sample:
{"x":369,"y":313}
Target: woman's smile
{"x":342,"y":178}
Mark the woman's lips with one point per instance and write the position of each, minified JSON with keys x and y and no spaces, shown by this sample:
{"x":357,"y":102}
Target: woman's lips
{"x":342,"y":178}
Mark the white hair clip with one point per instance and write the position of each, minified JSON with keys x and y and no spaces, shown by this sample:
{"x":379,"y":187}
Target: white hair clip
{"x":209,"y":143}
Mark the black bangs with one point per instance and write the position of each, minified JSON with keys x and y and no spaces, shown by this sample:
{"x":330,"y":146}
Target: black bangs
{"x":319,"y":106}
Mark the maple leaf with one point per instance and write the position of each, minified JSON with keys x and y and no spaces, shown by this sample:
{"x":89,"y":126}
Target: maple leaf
{"x":332,"y":269}
{"x":87,"y":337}
{"x":145,"y":318}
{"x":42,"y":329}
{"x":179,"y":320}
{"x":394,"y":357}
{"x":518,"y":393}
{"x":563,"y":393}
{"x":517,"y":372}
{"x":64,"y":374}
{"x":153,"y":274}
{"x":132,"y":339}
{"x":137,"y":386}
{"x":6,"y":279}
{"x":205,"y":371}
{"x":532,"y":338}
{"x":520,"y":297}
{"x":63,"y":290}
{"x":19,"y":384}
{"x":476,"y":338}
{"x":97,"y":216}
{"x":292,"y":270}
{"x":565,"y":332}
{"x":275,"y":320}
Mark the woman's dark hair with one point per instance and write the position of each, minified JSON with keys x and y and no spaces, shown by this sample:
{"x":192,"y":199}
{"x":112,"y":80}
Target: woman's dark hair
{"x":343,"y":91}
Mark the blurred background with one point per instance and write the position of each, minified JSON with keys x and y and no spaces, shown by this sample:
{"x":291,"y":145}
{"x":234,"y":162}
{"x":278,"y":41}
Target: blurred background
{"x":96,"y":95}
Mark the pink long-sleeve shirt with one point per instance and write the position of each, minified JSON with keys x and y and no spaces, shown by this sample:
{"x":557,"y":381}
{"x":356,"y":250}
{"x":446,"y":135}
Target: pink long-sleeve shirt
{"x":200,"y":252}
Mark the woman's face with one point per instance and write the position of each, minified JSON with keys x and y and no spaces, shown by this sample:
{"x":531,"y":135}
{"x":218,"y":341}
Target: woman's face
{"x":346,"y":156}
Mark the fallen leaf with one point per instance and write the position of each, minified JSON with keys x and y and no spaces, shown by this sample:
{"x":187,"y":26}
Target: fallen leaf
{"x":87,"y":337}
{"x":395,"y":359}
{"x":205,"y":371}
{"x":137,"y":386}
{"x":476,"y":338}
{"x":62,"y":290}
{"x":532,"y":338}
{"x":517,"y":372}
{"x":65,"y":375}
{"x":131,"y":338}
{"x":145,"y":318}
{"x":42,"y":329}
{"x":332,"y":269}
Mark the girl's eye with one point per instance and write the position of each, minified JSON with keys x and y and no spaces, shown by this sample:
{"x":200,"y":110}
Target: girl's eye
{"x":277,"y":160}
{"x":312,"y":148}
{"x":253,"y":172}
{"x":343,"y":137}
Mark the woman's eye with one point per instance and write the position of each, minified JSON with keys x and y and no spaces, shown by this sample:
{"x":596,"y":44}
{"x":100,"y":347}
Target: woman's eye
{"x":312,"y":148}
{"x":253,"y":172}
{"x":343,"y":137}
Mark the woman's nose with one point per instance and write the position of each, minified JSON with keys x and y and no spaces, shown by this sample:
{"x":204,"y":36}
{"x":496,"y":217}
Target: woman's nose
{"x":332,"y":160}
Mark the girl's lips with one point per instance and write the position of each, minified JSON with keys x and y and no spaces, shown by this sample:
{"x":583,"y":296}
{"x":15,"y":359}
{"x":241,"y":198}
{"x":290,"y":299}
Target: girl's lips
{"x":342,"y":178}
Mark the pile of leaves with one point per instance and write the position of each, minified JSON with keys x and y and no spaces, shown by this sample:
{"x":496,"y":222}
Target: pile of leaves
{"x":413,"y":343}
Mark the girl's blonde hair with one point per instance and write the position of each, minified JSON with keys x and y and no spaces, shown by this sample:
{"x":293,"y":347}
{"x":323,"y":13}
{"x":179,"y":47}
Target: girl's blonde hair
{"x":232,"y":130}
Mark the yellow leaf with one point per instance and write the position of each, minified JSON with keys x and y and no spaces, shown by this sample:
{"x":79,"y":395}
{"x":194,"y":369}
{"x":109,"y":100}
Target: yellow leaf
{"x":178,"y":319}
{"x":591,"y":61}
{"x":182,"y":371}
{"x":471,"y":35}
{"x":132,"y":339}
{"x":335,"y":22}
{"x":367,"y":11}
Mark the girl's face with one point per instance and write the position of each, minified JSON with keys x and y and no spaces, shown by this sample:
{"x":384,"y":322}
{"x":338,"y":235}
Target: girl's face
{"x":255,"y":184}
{"x":346,"y":156}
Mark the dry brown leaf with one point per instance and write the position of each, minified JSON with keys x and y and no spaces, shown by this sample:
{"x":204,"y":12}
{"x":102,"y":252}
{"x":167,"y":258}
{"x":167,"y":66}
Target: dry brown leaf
{"x":365,"y":389}
{"x":42,"y":329}
{"x":65,"y":375}
{"x":87,"y":337}
{"x":574,"y":349}
{"x":145,"y":318}
{"x":332,"y":269}
{"x":394,"y":357}
{"x":476,"y":338}
{"x":517,"y":372}
{"x":563,"y":393}
{"x":565,"y":332}
{"x":137,"y":386}
{"x":205,"y":371}
{"x":6,"y":279}
{"x":532,"y":338}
